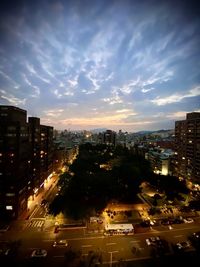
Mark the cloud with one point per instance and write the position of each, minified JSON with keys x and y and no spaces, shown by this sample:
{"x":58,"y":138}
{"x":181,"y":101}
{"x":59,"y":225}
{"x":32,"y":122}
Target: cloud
{"x":126,"y":62}
{"x":16,"y":85}
{"x":12,"y":100}
{"x":55,"y":113}
{"x":147,"y":90}
{"x":176,"y":97}
{"x":35,"y":87}
{"x":34,"y":73}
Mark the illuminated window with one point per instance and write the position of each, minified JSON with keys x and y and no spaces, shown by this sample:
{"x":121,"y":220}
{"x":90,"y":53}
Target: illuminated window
{"x":190,"y":141}
{"x":183,"y":157}
{"x":10,"y":194}
{"x":9,"y":207}
{"x":1,"y":154}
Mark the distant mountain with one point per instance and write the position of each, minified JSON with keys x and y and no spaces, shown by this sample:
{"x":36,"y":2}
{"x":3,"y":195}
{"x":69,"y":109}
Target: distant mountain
{"x":153,"y":132}
{"x":144,"y":132}
{"x":98,"y":130}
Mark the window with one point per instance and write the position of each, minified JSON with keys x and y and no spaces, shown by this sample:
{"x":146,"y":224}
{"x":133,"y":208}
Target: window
{"x":9,"y":207}
{"x":10,"y":194}
{"x":11,"y":128}
{"x":9,"y":134}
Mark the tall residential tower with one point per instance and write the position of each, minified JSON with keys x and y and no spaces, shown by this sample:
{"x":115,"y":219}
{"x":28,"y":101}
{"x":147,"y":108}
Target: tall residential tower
{"x":187,"y":143}
{"x":25,"y":159}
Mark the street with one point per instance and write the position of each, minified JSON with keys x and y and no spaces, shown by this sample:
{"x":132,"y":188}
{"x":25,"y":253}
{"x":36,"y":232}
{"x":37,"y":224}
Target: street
{"x":38,"y":232}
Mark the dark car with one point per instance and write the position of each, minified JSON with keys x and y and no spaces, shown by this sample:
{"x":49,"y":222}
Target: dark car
{"x":44,"y":202}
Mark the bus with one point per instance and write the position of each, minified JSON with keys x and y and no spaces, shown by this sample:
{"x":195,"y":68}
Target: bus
{"x":118,"y":229}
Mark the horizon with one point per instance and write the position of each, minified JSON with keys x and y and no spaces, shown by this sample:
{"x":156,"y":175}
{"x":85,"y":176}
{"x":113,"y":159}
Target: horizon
{"x":125,"y":65}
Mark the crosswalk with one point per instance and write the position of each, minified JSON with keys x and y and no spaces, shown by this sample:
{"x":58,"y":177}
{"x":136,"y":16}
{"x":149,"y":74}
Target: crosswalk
{"x":35,"y":224}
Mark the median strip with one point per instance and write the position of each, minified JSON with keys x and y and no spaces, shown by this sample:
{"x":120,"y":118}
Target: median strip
{"x":86,"y":246}
{"x":110,"y":244}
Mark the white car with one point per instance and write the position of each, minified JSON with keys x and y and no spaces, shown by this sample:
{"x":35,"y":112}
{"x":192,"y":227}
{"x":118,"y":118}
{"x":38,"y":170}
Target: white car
{"x":39,"y":253}
{"x":60,"y":243}
{"x":188,"y":220}
{"x":148,"y":242}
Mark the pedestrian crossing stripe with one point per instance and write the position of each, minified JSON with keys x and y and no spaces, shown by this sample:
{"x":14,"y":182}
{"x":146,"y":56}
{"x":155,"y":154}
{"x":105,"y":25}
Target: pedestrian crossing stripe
{"x":35,"y":224}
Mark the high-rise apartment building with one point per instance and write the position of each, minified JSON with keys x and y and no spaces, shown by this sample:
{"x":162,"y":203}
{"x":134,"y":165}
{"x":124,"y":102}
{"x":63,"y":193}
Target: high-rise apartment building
{"x":108,"y":137}
{"x":187,"y":143}
{"x":22,"y":145}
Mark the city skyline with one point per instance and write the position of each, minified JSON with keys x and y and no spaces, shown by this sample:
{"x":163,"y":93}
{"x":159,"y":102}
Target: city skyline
{"x":101,"y":64}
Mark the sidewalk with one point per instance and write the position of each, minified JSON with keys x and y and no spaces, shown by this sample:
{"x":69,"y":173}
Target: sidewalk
{"x":37,"y":199}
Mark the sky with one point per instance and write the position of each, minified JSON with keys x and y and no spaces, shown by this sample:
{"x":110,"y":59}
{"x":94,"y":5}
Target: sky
{"x":130,"y":65}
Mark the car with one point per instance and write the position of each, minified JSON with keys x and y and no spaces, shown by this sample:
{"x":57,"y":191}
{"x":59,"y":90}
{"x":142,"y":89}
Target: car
{"x":148,"y":242}
{"x":188,"y":220}
{"x":39,"y":253}
{"x":177,"y":221}
{"x":43,"y":202}
{"x":152,"y":240}
{"x":196,"y":235}
{"x":183,"y":245}
{"x":152,"y":222}
{"x":165,"y":222}
{"x":60,"y":243}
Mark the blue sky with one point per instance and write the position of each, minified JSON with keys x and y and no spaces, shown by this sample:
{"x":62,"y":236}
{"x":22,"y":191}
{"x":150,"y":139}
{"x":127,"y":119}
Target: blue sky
{"x":130,"y":65}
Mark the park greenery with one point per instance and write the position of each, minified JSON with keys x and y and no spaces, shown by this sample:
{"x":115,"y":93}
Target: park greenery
{"x":102,"y":174}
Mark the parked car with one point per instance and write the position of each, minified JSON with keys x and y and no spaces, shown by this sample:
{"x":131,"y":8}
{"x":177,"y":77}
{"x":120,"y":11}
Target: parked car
{"x":60,"y":243}
{"x":183,"y":245}
{"x":43,"y":202}
{"x":39,"y":253}
{"x":188,"y":220}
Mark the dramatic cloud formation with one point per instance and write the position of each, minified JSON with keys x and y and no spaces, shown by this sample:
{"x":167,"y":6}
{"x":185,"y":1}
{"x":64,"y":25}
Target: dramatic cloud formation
{"x":130,"y":65}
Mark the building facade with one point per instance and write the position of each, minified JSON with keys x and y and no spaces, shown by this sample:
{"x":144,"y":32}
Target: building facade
{"x":187,"y":144}
{"x":21,"y":168}
{"x":108,"y":137}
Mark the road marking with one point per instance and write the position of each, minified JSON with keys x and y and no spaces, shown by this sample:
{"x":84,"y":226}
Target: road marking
{"x":135,"y":241}
{"x":41,"y":223}
{"x":110,"y":244}
{"x":138,"y":234}
{"x":86,"y":246}
{"x":178,"y":235}
{"x":116,"y":251}
{"x":86,"y":238}
{"x":47,"y":240}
